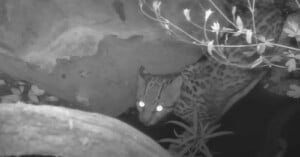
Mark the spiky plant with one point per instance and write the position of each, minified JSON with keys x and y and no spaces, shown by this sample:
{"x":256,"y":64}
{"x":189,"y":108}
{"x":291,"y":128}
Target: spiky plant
{"x":193,"y":141}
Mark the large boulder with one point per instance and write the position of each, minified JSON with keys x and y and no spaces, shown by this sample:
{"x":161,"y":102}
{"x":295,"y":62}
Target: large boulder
{"x":87,"y":52}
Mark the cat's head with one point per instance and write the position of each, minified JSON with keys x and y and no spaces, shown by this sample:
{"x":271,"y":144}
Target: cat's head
{"x":156,"y":95}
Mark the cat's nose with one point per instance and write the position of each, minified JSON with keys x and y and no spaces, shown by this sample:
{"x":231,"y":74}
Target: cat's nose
{"x":146,"y":120}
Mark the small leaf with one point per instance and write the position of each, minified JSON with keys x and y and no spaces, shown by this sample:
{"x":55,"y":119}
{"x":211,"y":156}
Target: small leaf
{"x":188,"y":139}
{"x":292,"y":29}
{"x":291,"y":64}
{"x":188,"y":149}
{"x":208,"y":13}
{"x":217,"y":134}
{"x":210,"y":47}
{"x":170,"y":140}
{"x":261,"y":48}
{"x":266,"y":42}
{"x":215,"y":27}
{"x":294,"y":91}
{"x":249,"y":36}
{"x":181,"y":124}
{"x":186,"y":13}
{"x":209,"y":129}
{"x":257,"y":62}
{"x":289,"y":32}
{"x":156,"y":6}
{"x":239,"y":23}
{"x":166,"y":26}
{"x":233,"y":11}
{"x":226,"y":29}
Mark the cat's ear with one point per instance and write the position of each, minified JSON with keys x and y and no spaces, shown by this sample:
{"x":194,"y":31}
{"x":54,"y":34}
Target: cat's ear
{"x":173,"y":90}
{"x":140,"y":86}
{"x":143,"y":71}
{"x":141,"y":80}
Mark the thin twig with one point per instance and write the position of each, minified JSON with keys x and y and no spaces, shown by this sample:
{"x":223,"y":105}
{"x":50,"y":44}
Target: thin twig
{"x":252,"y":10}
{"x":222,"y":13}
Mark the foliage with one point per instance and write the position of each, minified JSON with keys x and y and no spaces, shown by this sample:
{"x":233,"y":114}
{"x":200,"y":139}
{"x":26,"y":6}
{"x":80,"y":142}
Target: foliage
{"x":261,"y":43}
{"x":193,"y":142}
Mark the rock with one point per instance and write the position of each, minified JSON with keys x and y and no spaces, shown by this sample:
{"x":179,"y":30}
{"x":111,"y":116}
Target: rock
{"x":47,"y":130}
{"x":83,"y":50}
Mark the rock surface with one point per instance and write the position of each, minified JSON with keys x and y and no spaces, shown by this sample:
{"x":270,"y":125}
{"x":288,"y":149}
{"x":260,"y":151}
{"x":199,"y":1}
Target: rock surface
{"x":86,"y":52}
{"x":48,"y":130}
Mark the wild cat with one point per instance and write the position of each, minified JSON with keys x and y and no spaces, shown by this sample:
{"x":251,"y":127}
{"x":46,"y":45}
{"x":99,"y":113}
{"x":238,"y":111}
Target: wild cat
{"x":206,"y":86}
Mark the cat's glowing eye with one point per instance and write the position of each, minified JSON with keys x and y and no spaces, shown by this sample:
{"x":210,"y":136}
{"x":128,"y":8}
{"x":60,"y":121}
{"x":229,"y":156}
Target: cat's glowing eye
{"x":159,"y":108}
{"x":141,"y":104}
